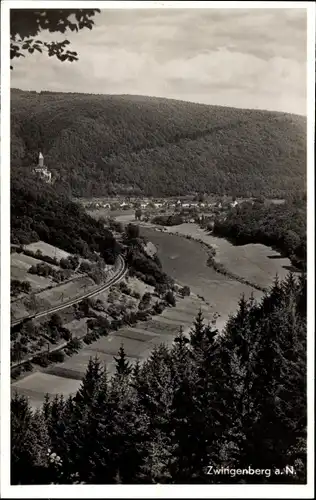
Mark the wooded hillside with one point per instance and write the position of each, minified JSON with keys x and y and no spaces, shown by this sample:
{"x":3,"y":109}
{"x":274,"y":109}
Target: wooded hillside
{"x":102,"y":144}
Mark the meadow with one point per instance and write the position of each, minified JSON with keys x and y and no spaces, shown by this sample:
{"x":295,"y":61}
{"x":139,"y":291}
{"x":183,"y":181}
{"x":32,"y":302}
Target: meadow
{"x":254,"y":262}
{"x":47,"y":249}
{"x":20,"y":265}
{"x":138,"y":342}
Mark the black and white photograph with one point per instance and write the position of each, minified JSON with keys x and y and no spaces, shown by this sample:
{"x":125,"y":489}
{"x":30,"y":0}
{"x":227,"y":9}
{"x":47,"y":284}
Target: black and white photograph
{"x":156,"y":169}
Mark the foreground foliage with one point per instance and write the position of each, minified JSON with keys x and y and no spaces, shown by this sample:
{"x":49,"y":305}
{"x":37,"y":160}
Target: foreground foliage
{"x":234,"y":400}
{"x":28,"y":23}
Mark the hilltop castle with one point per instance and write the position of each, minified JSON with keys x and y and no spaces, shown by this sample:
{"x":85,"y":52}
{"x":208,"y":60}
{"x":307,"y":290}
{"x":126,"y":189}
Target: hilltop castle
{"x":42,"y":171}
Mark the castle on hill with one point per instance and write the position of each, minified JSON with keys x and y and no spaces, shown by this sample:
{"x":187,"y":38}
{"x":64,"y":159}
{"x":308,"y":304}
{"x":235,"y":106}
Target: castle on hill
{"x":42,"y":171}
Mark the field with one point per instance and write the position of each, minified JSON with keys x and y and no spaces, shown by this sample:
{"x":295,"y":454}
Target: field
{"x":36,"y":385}
{"x":47,"y":249}
{"x":77,"y":327}
{"x":67,"y":291}
{"x":47,"y":292}
{"x":138,"y":343}
{"x":20,"y":265}
{"x":105,"y":212}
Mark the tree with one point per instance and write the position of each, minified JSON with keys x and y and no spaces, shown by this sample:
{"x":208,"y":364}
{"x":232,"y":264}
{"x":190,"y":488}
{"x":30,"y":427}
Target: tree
{"x":170,"y":298}
{"x":29,"y":444}
{"x":197,"y":332}
{"x":90,"y":383}
{"x":26,"y":24}
{"x":132,"y":231}
{"x":138,"y":214}
{"x":123,"y":367}
{"x":55,"y":321}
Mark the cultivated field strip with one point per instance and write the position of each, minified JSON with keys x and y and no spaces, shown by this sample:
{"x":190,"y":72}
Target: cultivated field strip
{"x":48,"y":249}
{"x":138,"y":343}
{"x":118,"y":275}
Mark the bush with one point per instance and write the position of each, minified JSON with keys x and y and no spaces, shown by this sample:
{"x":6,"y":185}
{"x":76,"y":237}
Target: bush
{"x":185,"y":291}
{"x":57,"y":357}
{"x":99,"y":305}
{"x":170,"y":298}
{"x":130,"y":318}
{"x":41,"y":360}
{"x":18,"y":287}
{"x":90,"y":337}
{"x":16,"y":372}
{"x":74,"y":345}
{"x":161,"y":289}
{"x":142,"y":315}
{"x":55,"y":321}
{"x":132,"y":231}
{"x":158,"y":308}
{"x":28,"y":367}
{"x":145,"y":302}
{"x":66,"y":334}
{"x":85,"y":267}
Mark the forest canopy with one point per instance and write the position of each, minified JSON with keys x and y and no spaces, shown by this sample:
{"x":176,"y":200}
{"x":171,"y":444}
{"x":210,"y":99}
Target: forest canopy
{"x":39,"y":213}
{"x":106,"y":144}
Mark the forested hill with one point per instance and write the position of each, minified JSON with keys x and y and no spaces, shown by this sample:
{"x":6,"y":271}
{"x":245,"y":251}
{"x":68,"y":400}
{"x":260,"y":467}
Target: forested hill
{"x":39,"y":213}
{"x":101,"y":144}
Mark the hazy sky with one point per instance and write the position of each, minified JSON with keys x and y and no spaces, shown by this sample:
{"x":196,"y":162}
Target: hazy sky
{"x":246,"y":58}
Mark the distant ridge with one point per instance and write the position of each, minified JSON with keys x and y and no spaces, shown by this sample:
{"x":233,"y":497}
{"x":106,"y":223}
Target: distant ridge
{"x":105,"y":144}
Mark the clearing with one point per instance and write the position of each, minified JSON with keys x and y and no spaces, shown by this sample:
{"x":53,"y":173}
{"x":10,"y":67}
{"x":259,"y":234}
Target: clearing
{"x":48,"y":249}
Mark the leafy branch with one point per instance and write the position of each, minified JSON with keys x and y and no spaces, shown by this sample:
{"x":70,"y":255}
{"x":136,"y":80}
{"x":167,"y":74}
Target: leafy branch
{"x":26,"y":24}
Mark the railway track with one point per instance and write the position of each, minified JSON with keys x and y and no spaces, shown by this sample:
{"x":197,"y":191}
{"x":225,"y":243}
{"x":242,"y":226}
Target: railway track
{"x":120,"y":273}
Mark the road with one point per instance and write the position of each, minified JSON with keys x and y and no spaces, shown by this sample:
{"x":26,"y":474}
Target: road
{"x":120,"y":273}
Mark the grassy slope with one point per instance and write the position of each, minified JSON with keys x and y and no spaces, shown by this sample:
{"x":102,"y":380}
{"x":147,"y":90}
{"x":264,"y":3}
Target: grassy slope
{"x":96,"y":144}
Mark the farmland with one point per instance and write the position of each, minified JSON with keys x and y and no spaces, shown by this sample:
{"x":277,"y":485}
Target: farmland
{"x":45,"y":291}
{"x":20,"y":264}
{"x":47,"y":249}
{"x":186,"y":261}
{"x":138,"y":342}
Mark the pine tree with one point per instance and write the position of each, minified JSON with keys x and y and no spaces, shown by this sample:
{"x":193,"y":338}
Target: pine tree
{"x":181,"y":340}
{"x":197,"y":332}
{"x":29,"y":443}
{"x":136,"y":371}
{"x":154,"y":392}
{"x":90,"y":383}
{"x":123,"y":367}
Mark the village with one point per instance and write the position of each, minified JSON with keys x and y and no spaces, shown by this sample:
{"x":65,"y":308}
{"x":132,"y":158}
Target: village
{"x":191,"y":208}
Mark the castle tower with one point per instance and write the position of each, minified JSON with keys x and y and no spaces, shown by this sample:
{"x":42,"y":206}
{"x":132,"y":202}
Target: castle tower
{"x":41,"y":160}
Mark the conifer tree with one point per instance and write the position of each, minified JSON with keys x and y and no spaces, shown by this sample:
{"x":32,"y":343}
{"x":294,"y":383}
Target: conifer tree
{"x":29,"y":443}
{"x":123,"y":367}
{"x":90,"y":382}
{"x":197,"y":332}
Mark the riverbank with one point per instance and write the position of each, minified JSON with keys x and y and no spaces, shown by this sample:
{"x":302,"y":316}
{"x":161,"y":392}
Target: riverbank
{"x":254,"y":264}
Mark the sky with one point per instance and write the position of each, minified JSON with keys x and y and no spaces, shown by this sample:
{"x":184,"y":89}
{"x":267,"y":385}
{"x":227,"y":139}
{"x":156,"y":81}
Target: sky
{"x":248,"y":58}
